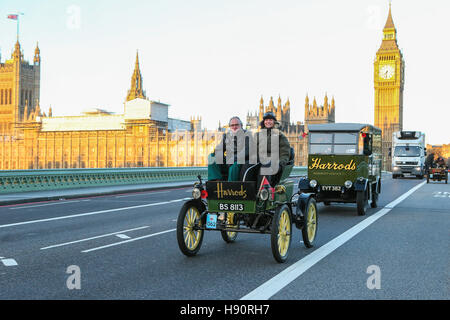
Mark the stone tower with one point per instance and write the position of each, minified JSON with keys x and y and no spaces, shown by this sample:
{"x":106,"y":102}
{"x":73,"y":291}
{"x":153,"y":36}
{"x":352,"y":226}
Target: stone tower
{"x":389,"y":77}
{"x":19,"y":89}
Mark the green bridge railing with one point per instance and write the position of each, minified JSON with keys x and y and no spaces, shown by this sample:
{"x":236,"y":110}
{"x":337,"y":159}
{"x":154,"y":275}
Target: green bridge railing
{"x":55,"y":179}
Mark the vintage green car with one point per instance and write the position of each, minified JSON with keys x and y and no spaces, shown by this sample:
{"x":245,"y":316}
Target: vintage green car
{"x":344,"y":164}
{"x":250,"y":206}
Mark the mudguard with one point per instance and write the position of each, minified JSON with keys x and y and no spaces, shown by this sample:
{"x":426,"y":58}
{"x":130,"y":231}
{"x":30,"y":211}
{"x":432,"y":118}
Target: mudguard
{"x":302,"y":202}
{"x":198,"y":203}
{"x":361,"y":184}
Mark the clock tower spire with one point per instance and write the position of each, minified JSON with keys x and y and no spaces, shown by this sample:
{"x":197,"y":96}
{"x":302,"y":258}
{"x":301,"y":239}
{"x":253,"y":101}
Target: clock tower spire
{"x":389,"y":74}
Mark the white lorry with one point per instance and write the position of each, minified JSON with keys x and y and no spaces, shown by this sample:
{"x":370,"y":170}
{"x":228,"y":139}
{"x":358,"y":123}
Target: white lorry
{"x":408,"y":153}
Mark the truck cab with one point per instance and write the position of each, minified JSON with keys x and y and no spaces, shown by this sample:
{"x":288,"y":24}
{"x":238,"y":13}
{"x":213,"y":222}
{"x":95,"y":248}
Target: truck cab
{"x":408,"y":154}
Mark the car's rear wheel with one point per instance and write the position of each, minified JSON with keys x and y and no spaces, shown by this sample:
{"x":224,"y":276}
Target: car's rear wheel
{"x":229,"y":236}
{"x":281,"y":233}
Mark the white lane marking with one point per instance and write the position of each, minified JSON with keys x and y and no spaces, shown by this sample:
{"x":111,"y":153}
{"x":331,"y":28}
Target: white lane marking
{"x":9,"y":262}
{"x":178,"y":200}
{"x":127,"y":241}
{"x":141,"y":194}
{"x":91,"y":238}
{"x":275,"y":284}
{"x":441,"y":194}
{"x":43,"y":205}
{"x":123,"y":236}
{"x":90,"y":213}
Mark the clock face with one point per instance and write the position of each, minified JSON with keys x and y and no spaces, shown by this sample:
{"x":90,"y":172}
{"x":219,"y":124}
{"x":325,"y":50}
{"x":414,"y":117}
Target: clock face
{"x":387,"y":71}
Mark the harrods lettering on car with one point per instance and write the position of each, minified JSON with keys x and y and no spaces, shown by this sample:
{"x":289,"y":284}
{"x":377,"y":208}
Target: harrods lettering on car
{"x":316,"y":164}
{"x":221,"y":193}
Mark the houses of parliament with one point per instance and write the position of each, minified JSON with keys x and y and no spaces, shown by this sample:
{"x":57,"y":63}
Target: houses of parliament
{"x":144,"y":135}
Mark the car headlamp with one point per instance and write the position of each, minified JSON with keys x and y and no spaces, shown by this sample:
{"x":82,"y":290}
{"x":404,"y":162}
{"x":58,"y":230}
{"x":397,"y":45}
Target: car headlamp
{"x":313,"y":183}
{"x":196,"y":193}
{"x":264,"y":194}
{"x":348,"y":184}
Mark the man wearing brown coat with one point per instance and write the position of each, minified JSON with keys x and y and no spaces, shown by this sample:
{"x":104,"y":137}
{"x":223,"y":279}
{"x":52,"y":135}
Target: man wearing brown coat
{"x":269,"y":130}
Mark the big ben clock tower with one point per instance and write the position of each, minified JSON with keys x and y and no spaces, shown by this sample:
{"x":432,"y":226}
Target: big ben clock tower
{"x":389,"y":75}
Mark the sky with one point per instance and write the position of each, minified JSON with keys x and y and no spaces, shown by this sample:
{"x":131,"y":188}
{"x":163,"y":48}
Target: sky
{"x":216,"y":58}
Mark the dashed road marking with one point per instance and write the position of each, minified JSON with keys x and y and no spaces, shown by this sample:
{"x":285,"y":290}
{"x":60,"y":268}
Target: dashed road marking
{"x":91,"y":238}
{"x":9,"y":262}
{"x":441,"y":194}
{"x":127,"y":241}
{"x":123,"y":236}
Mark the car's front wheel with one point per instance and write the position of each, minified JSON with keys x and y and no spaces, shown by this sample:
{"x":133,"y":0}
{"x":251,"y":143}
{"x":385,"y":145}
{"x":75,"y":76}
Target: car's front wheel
{"x":309,"y":229}
{"x":189,"y":236}
{"x":281,"y":233}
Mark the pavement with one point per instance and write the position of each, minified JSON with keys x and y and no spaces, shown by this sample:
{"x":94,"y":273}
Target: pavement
{"x":71,"y":193}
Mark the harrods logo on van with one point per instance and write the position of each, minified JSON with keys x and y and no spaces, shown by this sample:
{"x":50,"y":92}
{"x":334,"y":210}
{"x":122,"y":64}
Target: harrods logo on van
{"x":317,"y":164}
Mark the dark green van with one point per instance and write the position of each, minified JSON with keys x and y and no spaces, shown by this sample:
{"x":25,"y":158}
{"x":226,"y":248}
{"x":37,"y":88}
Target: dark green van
{"x":344,"y":164}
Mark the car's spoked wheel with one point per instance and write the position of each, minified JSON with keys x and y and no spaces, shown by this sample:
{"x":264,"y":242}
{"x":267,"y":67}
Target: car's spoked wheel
{"x":229,"y":236}
{"x":281,"y":233}
{"x":309,"y":229}
{"x":189,"y":237}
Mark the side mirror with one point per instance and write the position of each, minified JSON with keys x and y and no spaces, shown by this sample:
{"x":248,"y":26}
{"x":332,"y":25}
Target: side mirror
{"x":390,"y":152}
{"x":367,"y":145}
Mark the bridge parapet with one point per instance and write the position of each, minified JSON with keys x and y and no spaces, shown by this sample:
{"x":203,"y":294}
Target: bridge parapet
{"x":55,"y":179}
